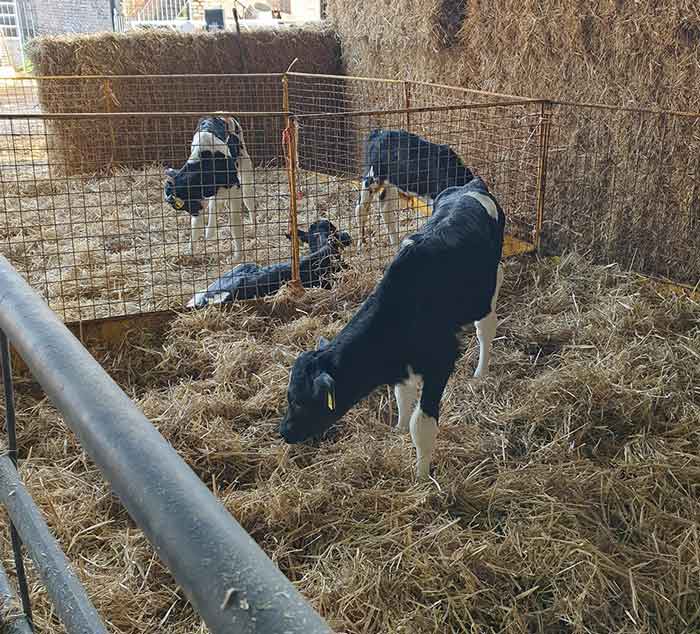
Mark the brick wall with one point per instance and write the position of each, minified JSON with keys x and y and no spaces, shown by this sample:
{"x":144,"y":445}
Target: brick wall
{"x":72,"y":16}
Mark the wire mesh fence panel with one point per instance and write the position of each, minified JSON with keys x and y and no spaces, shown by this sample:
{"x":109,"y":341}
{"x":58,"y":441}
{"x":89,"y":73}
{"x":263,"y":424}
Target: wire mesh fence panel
{"x":18,"y":95}
{"x":102,"y":244}
{"x":499,"y":143}
{"x":143,"y":93}
{"x":83,"y":181}
{"x":623,"y":186}
{"x":423,"y":94}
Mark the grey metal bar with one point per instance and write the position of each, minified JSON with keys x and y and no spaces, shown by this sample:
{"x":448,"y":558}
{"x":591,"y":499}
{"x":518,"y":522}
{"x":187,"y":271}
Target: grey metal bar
{"x":229,"y":580}
{"x":11,"y":428}
{"x":12,"y":619}
{"x":72,"y":603}
{"x":10,"y":418}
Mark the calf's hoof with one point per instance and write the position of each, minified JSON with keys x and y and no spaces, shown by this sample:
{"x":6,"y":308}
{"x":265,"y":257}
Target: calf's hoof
{"x":402,"y":428}
{"x":422,"y":471}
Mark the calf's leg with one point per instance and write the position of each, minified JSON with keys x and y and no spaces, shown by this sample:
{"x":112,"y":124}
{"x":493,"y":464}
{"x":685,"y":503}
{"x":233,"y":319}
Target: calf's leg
{"x":246,"y":177}
{"x":424,"y":422}
{"x":406,"y":394}
{"x":362,"y":209}
{"x":236,"y":208}
{"x":197,"y":229}
{"x":389,"y":208}
{"x":212,"y":225}
{"x":486,"y":330}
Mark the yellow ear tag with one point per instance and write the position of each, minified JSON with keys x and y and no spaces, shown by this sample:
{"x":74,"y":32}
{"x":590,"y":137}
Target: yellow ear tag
{"x":331,"y":401}
{"x":179,"y":203}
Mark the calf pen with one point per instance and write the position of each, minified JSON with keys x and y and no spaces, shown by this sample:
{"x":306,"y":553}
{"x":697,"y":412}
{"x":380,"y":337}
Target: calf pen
{"x":82,"y":160}
{"x":86,"y":225}
{"x":85,"y":220}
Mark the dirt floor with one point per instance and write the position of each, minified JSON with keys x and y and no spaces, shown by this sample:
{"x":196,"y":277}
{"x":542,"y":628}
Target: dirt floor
{"x":567,"y":491}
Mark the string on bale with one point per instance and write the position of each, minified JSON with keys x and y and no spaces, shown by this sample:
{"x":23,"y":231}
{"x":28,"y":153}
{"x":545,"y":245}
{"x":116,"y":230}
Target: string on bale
{"x":567,"y":483}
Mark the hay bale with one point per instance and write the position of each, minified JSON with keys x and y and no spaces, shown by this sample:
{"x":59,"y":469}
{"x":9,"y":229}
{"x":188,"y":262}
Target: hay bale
{"x":166,"y":52}
{"x":591,"y":52}
{"x":93,"y":145}
{"x":607,"y":168}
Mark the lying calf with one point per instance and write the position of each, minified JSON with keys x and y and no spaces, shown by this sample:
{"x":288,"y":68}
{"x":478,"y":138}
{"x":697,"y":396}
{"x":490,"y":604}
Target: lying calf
{"x":247,"y":281}
{"x":320,"y":232}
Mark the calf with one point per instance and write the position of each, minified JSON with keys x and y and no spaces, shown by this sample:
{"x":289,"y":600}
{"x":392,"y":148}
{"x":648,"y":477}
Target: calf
{"x":397,"y":162}
{"x":219,"y":169}
{"x":320,"y":233}
{"x":410,"y":329}
{"x":247,"y":281}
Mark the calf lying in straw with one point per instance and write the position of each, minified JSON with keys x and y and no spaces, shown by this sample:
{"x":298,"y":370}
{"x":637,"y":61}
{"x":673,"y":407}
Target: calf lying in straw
{"x":247,"y":281}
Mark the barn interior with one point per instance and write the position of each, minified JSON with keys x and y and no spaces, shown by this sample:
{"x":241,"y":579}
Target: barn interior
{"x":565,"y":494}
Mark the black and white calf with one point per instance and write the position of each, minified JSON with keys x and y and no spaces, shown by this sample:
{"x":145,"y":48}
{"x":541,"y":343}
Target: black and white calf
{"x":219,"y":170}
{"x":247,"y":281}
{"x":410,"y":330}
{"x":320,"y":233}
{"x":396,"y":162}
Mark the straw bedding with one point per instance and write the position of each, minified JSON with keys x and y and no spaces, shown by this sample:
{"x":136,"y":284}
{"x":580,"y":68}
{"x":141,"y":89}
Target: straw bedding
{"x":566,"y":495}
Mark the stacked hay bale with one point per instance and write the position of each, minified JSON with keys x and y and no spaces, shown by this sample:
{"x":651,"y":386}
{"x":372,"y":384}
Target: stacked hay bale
{"x":608,"y":167}
{"x":99,"y":143}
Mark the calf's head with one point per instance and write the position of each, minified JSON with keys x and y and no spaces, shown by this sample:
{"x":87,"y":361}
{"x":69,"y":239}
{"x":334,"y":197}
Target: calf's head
{"x":183,"y":190}
{"x":322,"y":232}
{"x":186,"y":188}
{"x":311,"y":400}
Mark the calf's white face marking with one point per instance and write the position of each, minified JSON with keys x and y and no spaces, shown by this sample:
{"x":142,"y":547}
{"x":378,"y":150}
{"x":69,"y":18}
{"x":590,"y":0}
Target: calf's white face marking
{"x":486,"y":202}
{"x":205,"y":141}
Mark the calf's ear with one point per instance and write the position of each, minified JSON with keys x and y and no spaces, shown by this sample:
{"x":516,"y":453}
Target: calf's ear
{"x":324,"y":387}
{"x":303,"y":236}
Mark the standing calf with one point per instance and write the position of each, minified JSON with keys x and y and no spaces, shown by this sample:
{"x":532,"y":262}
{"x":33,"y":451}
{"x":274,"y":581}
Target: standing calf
{"x":218,"y":170}
{"x":396,"y":162}
{"x":444,"y":277}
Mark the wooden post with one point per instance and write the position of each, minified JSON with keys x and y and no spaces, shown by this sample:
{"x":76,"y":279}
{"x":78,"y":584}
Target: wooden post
{"x":407,"y":101}
{"x":292,"y":166}
{"x":543,"y":156}
{"x":290,"y":139}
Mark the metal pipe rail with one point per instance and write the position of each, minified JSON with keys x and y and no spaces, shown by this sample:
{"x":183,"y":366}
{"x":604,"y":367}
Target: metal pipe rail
{"x":229,"y":580}
{"x":69,"y":597}
{"x":12,"y":620}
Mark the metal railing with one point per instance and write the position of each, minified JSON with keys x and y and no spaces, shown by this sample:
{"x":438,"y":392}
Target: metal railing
{"x":228,"y":579}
